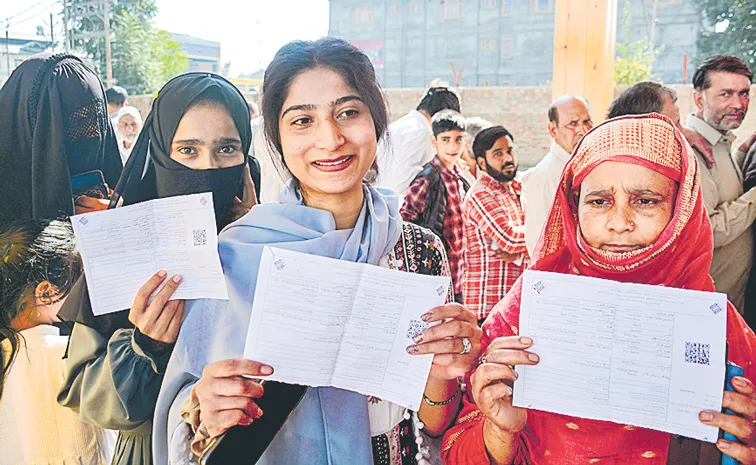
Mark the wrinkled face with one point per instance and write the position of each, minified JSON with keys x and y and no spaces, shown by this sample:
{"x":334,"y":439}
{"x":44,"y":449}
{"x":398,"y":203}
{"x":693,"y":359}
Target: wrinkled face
{"x":449,"y":146}
{"x":129,"y":128}
{"x":499,"y":160}
{"x":624,"y":207}
{"x":670,"y":110}
{"x":327,"y":134}
{"x":467,"y":156}
{"x":207,"y":138}
{"x":724,"y":104}
{"x":574,"y":122}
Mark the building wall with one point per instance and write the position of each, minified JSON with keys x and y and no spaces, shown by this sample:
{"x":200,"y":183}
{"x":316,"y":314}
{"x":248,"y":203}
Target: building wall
{"x":498,"y":42}
{"x":203,"y":55}
{"x":522,"y":110}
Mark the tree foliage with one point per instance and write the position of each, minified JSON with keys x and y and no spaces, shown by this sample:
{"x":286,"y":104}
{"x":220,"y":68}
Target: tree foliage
{"x":635,"y":59}
{"x":143,"y":57}
{"x":737,"y":25}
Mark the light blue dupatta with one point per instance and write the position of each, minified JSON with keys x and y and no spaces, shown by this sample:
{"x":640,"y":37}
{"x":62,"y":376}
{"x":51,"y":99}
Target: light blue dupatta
{"x":329,"y":426}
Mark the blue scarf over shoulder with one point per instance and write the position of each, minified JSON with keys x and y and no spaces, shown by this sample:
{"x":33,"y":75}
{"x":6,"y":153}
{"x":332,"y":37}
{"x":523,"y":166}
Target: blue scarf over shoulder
{"x":329,"y":426}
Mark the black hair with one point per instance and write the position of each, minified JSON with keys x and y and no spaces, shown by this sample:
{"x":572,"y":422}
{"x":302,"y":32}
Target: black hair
{"x":32,"y":252}
{"x":639,"y":99}
{"x":438,"y":99}
{"x":553,"y":111}
{"x":487,"y":138}
{"x":726,"y":63}
{"x":335,"y":54}
{"x":447,"y":120}
{"x":116,"y":95}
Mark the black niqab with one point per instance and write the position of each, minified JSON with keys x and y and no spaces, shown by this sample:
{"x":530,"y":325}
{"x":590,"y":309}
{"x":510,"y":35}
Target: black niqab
{"x":53,"y":125}
{"x":150,"y":172}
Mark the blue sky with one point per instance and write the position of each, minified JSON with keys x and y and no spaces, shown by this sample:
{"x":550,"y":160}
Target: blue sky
{"x":250,"y":32}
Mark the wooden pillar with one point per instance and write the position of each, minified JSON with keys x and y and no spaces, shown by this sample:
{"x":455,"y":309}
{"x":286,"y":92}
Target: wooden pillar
{"x":584,"y":38}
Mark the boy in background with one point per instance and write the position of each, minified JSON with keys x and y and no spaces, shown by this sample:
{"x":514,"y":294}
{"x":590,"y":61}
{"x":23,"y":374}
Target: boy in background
{"x":435,"y":195}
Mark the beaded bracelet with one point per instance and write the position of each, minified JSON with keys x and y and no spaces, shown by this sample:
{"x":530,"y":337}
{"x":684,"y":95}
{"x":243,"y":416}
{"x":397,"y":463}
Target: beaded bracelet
{"x":445,"y":402}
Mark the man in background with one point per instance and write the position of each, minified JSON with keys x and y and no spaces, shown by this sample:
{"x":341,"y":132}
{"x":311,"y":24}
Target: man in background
{"x":117,"y":98}
{"x":569,"y":120}
{"x":402,"y":155}
{"x":127,"y":124}
{"x":722,"y":86}
{"x":494,"y":224}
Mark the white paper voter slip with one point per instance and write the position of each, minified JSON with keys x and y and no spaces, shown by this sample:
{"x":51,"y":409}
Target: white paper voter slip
{"x":641,"y":355}
{"x":324,"y":322}
{"x":123,"y":247}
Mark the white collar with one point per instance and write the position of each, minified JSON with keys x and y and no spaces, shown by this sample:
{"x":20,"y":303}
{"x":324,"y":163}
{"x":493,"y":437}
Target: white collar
{"x":559,"y":152}
{"x":709,"y":133}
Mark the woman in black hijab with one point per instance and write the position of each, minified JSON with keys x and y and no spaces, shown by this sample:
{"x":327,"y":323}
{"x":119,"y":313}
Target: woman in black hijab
{"x":195,"y":140}
{"x":53,"y":126}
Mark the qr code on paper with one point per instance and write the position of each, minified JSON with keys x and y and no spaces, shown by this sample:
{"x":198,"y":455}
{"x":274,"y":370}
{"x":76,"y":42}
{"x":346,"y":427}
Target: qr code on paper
{"x":698,"y":353}
{"x":280,"y":264}
{"x":200,"y":237}
{"x":416,"y":327}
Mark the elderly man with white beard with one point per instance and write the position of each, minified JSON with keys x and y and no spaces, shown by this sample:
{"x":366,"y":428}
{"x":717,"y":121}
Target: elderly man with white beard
{"x":127,"y":124}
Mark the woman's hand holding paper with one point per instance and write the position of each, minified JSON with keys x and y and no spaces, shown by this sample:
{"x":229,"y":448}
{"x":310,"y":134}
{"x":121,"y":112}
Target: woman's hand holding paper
{"x":226,"y":394}
{"x":743,"y":425}
{"x":453,"y":357}
{"x":160,"y":319}
{"x":493,"y":380}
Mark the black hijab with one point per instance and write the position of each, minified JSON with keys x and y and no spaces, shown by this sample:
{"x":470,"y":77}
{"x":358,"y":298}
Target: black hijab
{"x":53,"y":125}
{"x":150,"y":173}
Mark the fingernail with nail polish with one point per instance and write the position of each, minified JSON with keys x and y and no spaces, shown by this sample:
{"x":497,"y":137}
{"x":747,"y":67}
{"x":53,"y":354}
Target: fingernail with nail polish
{"x":266,"y":370}
{"x":427,"y":316}
{"x":162,"y":273}
{"x":412,"y":349}
{"x":418,"y":339}
{"x":177,"y":279}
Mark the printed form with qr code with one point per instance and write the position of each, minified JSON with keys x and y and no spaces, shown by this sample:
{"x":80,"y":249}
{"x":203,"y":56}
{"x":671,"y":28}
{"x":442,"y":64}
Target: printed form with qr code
{"x":123,"y":247}
{"x":633,"y":354}
{"x":342,"y":324}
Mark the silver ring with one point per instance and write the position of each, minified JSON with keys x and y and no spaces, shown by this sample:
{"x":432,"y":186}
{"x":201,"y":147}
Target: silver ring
{"x":467,"y":346}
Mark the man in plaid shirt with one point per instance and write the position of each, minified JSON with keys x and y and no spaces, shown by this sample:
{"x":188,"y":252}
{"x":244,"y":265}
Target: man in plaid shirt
{"x":494,"y":224}
{"x":435,"y":196}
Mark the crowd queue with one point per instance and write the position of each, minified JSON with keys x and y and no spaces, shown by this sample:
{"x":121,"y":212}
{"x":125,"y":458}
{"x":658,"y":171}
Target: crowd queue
{"x":644,"y":197}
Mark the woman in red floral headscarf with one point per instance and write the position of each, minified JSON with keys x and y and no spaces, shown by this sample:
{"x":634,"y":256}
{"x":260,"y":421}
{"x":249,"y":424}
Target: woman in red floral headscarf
{"x":628,"y":209}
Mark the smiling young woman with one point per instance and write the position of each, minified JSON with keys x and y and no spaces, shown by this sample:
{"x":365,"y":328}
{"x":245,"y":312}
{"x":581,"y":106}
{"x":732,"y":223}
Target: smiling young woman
{"x":324,"y":115}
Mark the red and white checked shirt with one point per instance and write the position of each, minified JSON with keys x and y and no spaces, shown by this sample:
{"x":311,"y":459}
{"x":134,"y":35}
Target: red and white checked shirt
{"x":493,"y":219}
{"x":414,"y":204}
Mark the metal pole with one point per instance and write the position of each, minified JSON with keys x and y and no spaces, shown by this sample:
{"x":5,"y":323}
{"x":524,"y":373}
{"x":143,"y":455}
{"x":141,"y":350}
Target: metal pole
{"x":7,"y":48}
{"x":67,"y":43}
{"x":52,"y":34}
{"x":108,"y":61}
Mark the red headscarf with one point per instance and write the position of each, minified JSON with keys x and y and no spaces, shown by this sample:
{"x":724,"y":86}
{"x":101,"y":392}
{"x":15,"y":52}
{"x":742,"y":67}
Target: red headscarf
{"x":680,"y":257}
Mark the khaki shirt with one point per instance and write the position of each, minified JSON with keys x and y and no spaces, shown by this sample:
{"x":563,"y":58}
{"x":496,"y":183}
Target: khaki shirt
{"x":730,"y":211}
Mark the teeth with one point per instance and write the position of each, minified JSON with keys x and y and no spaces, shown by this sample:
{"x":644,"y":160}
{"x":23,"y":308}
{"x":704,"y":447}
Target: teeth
{"x":333,"y":163}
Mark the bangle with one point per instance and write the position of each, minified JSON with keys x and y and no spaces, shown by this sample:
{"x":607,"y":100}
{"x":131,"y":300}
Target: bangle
{"x":445,"y":402}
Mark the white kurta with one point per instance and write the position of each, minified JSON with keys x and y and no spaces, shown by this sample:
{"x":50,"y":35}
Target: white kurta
{"x":539,"y":186}
{"x":402,"y":155}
